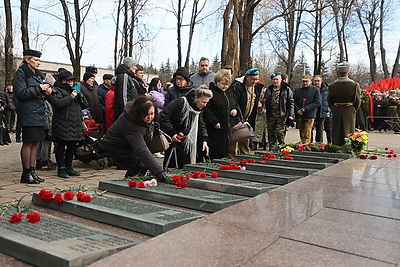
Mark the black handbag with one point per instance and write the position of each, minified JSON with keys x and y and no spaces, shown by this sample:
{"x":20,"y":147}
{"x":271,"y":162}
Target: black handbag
{"x":159,"y":142}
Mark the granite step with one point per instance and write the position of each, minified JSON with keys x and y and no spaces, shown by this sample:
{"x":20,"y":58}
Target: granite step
{"x":313,"y":166}
{"x":310,"y":158}
{"x":125,"y":213}
{"x":322,"y":154}
{"x":192,"y":198}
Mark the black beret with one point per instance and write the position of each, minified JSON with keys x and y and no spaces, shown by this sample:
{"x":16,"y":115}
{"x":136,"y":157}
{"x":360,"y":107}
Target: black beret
{"x":107,"y":76}
{"x":65,"y":76}
{"x":33,"y":53}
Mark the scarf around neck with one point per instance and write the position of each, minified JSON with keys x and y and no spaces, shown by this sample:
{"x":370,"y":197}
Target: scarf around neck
{"x":190,"y":119}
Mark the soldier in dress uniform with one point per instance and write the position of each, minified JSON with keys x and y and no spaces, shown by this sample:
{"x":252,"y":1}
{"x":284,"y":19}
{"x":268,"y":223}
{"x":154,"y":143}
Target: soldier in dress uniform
{"x":393,"y":103}
{"x":344,"y":97}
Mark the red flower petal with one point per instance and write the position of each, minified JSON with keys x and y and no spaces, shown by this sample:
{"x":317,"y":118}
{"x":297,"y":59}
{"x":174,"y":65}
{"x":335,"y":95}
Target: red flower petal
{"x":69,"y":195}
{"x":395,"y":155}
{"x":16,"y":218}
{"x":264,"y":162}
{"x":58,"y":198}
{"x":214,"y":174}
{"x":374,"y":157}
{"x":132,"y":183}
{"x":203,"y":175}
{"x":386,"y":148}
{"x":363,"y":156}
{"x":140,"y":185}
{"x":33,"y":217}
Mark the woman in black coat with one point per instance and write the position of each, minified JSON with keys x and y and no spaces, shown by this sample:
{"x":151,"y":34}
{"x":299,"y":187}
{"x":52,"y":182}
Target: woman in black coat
{"x":126,"y":140}
{"x":67,"y":122}
{"x":30,"y":92}
{"x":219,"y":114}
{"x":89,"y":91}
{"x":182,"y":120}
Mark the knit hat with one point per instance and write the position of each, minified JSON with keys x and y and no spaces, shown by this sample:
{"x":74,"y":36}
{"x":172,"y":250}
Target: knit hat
{"x":107,"y":76}
{"x":129,"y":62}
{"x":183,"y":72}
{"x":87,"y":76}
{"x":31,"y":52}
{"x":65,"y":76}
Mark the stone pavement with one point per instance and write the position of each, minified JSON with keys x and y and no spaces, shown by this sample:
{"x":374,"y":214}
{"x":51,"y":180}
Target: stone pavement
{"x":345,"y":214}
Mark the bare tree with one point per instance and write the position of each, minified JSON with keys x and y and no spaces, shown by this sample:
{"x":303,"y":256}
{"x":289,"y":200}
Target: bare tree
{"x":230,"y":37}
{"x":8,"y":44}
{"x":74,"y":38}
{"x":368,"y":16}
{"x":24,"y":24}
{"x":395,"y":70}
{"x":382,"y":13}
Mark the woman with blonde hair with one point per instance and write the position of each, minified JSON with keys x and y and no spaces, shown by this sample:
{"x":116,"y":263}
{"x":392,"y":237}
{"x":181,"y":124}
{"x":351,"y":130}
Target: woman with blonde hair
{"x":219,"y":114}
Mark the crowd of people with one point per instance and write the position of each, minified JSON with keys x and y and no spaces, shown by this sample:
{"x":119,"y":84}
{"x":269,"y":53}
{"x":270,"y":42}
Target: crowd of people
{"x":197,"y":112}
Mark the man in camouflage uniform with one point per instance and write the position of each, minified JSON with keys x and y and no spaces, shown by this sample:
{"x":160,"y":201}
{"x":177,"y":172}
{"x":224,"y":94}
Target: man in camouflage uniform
{"x":279,"y":107}
{"x":261,"y":124}
{"x":344,"y":97}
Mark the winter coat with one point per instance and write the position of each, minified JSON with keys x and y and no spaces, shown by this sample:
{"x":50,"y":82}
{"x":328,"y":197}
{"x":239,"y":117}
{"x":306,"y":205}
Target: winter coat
{"x":109,"y":103}
{"x":126,"y":140}
{"x":90,"y":93}
{"x":309,"y":99}
{"x":239,"y":89}
{"x":102,"y":92}
{"x":159,"y":99}
{"x":217,"y":111}
{"x":67,"y":114}
{"x":286,"y":102}
{"x":30,"y":97}
{"x":202,"y":79}
{"x":322,"y":111}
{"x":175,"y":92}
{"x":127,"y":88}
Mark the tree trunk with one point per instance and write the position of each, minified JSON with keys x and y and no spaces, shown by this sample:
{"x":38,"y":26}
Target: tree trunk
{"x":178,"y":29}
{"x":396,"y":70}
{"x":132,"y":27}
{"x":383,"y":50}
{"x":116,"y":54}
{"x":24,"y":24}
{"x":226,"y":33}
{"x":191,"y":31}
{"x":78,"y":49}
{"x":8,"y":44}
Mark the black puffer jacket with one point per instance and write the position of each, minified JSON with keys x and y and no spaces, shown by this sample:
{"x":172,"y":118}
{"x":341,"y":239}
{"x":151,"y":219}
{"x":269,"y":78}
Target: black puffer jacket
{"x":30,"y":97}
{"x":67,"y":116}
{"x":93,"y":102}
{"x":125,"y":141}
{"x":175,"y":92}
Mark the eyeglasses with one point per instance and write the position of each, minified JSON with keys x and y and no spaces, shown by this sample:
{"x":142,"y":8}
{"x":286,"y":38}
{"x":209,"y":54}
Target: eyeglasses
{"x":180,"y":79}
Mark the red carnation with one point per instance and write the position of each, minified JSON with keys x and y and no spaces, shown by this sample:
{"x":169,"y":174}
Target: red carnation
{"x":304,"y":99}
{"x":1,"y":218}
{"x":177,"y":178}
{"x":58,"y":198}
{"x":187,"y":176}
{"x":285,"y":152}
{"x":389,"y":155}
{"x":16,"y":218}
{"x":46,"y":195}
{"x":69,"y":195}
{"x":83,"y":197}
{"x":386,"y":148}
{"x":391,"y":151}
{"x":195,"y":174}
{"x":33,"y":217}
{"x":395,"y":155}
{"x":250,"y":161}
{"x":203,"y":175}
{"x":374,"y":157}
{"x":140,"y":185}
{"x":271,"y":156}
{"x":363,"y":156}
{"x":214,"y":174}
{"x":243,"y":162}
{"x":132,"y":183}
{"x":264,"y":162}
{"x":264,"y":156}
{"x":289,"y":158}
{"x":183,"y":184}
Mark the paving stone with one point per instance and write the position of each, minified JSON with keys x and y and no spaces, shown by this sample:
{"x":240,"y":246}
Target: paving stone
{"x":56,"y":242}
{"x":254,"y":176}
{"x":258,"y":166}
{"x":192,"y":198}
{"x":289,"y":163}
{"x":125,"y":213}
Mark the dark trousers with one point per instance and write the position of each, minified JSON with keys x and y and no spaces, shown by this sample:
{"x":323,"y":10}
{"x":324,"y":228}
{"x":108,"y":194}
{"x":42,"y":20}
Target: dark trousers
{"x":10,"y":119}
{"x":322,"y":124}
{"x":65,"y":151}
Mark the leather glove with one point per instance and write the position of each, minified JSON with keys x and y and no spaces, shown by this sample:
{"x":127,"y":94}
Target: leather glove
{"x":290,"y":123}
{"x":161,"y":177}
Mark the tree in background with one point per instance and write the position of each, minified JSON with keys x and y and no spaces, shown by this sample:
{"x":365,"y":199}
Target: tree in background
{"x":8,"y":45}
{"x":24,"y":24}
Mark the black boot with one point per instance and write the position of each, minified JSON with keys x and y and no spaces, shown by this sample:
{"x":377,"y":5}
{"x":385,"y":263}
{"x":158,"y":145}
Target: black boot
{"x":46,"y":165}
{"x":35,"y":176}
{"x":1,"y":137}
{"x":72,"y":172}
{"x":6,"y":136}
{"x":39,"y":164}
{"x":62,"y":173}
{"x":27,"y":177}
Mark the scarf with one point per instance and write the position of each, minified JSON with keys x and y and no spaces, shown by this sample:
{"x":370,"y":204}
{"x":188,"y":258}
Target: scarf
{"x":190,"y":119}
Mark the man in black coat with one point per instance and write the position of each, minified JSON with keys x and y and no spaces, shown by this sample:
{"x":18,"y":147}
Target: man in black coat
{"x":247,"y":90}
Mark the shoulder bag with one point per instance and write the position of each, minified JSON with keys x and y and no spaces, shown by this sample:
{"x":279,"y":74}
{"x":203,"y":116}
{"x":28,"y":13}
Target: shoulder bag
{"x":159,"y":143}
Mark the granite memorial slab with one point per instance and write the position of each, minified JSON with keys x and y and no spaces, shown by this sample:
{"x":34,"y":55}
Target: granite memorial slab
{"x":232,"y":186}
{"x":58,"y":242}
{"x":254,"y":176}
{"x":133,"y":215}
{"x":289,"y":163}
{"x":192,"y":198}
{"x":258,"y":166}
{"x":310,"y":158}
{"x":322,"y":154}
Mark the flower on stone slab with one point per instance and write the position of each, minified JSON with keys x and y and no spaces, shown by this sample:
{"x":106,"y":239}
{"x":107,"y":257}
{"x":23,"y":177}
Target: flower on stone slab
{"x":373,"y":157}
{"x":288,"y":158}
{"x":82,"y":197}
{"x":141,"y":185}
{"x":271,"y":156}
{"x":203,"y":175}
{"x":69,"y":195}
{"x":214,"y":174}
{"x":195,"y":174}
{"x":132,"y":183}
{"x":264,"y":162}
{"x":363,"y":156}
{"x":33,"y":217}
{"x":243,"y":162}
{"x":46,"y":195}
{"x":58,"y":198}
{"x":16,"y":218}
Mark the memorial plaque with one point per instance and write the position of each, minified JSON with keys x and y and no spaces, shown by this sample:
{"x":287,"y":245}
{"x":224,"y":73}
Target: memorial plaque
{"x":170,"y":194}
{"x":310,"y":158}
{"x":322,"y":154}
{"x":254,"y":176}
{"x":57,"y":242}
{"x":232,"y":186}
{"x":125,"y":213}
{"x":258,"y":166}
